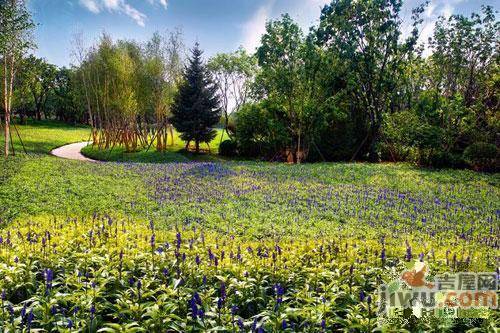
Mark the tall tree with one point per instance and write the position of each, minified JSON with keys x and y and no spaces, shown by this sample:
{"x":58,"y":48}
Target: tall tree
{"x":15,"y":39}
{"x":365,"y":37}
{"x":196,"y":109}
{"x":41,"y":79}
{"x":289,"y":65}
{"x":233,"y":73}
{"x":159,"y":75}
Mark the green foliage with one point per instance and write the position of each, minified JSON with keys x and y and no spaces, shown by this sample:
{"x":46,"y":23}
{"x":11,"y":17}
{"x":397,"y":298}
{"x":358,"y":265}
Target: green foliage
{"x":107,"y":274}
{"x":259,"y":130}
{"x":363,"y":37}
{"x":287,"y":80}
{"x":196,"y":109}
{"x":228,"y":148}
{"x":233,"y":74}
{"x":40,"y":137}
{"x":482,"y":156}
{"x":305,"y":226}
{"x":281,"y":240}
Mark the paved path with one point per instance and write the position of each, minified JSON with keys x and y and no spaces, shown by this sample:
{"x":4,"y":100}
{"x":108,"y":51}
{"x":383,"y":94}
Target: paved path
{"x":72,"y":152}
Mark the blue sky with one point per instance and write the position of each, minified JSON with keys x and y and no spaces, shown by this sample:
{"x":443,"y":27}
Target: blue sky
{"x":218,"y":25}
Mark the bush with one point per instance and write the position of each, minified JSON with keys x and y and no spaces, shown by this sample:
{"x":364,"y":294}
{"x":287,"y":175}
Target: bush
{"x":482,"y":156}
{"x":444,"y":159}
{"x":228,"y":148}
{"x":259,"y":132}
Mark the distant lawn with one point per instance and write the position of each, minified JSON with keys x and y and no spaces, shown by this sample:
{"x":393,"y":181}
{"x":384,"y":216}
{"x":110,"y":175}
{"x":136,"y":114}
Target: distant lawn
{"x":174,"y":153}
{"x":40,"y":137}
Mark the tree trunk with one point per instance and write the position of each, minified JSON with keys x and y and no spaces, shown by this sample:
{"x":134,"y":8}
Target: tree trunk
{"x":6,"y":107}
{"x":171,"y":129}
{"x":7,"y":132}
{"x":197,"y":145}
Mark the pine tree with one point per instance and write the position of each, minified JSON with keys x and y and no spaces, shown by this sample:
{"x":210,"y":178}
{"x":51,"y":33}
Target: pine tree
{"x":196,"y":107}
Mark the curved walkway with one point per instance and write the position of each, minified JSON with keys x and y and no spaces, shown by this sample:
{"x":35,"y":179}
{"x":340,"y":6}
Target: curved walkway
{"x":72,"y":152}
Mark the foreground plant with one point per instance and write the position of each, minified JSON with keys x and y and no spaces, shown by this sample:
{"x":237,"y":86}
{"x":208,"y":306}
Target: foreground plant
{"x":113,"y":275}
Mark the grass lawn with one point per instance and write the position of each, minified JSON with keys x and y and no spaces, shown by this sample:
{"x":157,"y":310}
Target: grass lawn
{"x":40,"y":137}
{"x":174,"y":153}
{"x":208,"y":245}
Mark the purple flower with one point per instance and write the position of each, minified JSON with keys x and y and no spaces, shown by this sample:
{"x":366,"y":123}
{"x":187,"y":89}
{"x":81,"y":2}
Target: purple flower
{"x":408,"y":253}
{"x":383,"y":255}
{"x":49,"y":277}
{"x":152,"y":241}
{"x":31,"y":316}
{"x":362,"y":296}
{"x":179,"y":240}
{"x":92,"y":312}
{"x":223,"y":290}
{"x":284,"y":325}
{"x":194,"y":308}
{"x":240,"y":323}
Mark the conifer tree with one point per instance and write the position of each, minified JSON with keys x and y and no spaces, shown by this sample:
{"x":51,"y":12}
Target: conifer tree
{"x":196,"y":108}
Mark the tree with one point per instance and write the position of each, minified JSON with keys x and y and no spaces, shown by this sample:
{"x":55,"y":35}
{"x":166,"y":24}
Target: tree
{"x":40,"y":77}
{"x":15,"y":39}
{"x":288,"y":79}
{"x":364,"y":37}
{"x":233,"y":73}
{"x":64,"y":101}
{"x":196,"y":107}
{"x":159,"y":76}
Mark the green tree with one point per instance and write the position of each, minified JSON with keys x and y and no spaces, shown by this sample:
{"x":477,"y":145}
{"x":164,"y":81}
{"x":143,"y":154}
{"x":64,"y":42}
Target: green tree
{"x":159,"y":76}
{"x":364,"y":38}
{"x":288,"y":78}
{"x":16,"y":27}
{"x":233,"y":73}
{"x":196,"y":107}
{"x":40,"y":77}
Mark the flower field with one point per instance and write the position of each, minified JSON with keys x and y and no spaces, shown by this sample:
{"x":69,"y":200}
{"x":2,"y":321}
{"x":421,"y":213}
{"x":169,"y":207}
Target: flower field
{"x":241,"y":247}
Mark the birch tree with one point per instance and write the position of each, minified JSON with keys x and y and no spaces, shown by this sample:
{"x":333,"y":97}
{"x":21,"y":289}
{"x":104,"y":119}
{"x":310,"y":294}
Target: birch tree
{"x":16,"y":28}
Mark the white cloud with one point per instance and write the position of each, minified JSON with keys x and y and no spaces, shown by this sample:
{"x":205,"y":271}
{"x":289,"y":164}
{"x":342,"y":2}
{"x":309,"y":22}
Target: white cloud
{"x":434,"y":10}
{"x":136,"y":15}
{"x":163,"y":3}
{"x":120,"y":6}
{"x":91,"y":5}
{"x":255,"y":27}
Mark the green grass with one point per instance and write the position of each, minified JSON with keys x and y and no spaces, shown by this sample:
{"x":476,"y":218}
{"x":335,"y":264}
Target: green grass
{"x":174,"y":153}
{"x":40,"y":137}
{"x":306,"y":226}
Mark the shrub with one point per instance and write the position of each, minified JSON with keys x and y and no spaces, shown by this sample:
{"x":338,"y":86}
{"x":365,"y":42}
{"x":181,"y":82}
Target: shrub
{"x":228,"y":148}
{"x":482,"y":156}
{"x":444,"y":159}
{"x":258,"y":132}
